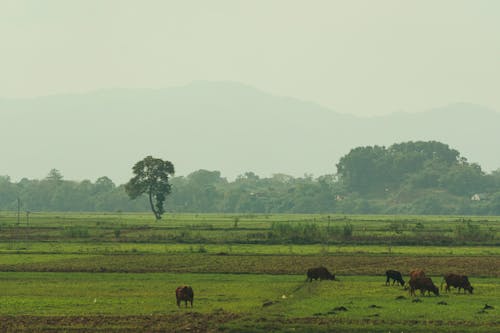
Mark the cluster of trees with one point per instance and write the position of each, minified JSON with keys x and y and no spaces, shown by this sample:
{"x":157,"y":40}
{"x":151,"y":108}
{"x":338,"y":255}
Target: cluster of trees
{"x":417,"y":165}
{"x":420,"y":178}
{"x":53,"y":193}
{"x":408,"y":178}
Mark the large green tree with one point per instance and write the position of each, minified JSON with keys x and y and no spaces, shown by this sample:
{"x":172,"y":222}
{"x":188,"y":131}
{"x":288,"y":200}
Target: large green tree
{"x":365,"y":169}
{"x":151,"y":178}
{"x":374,"y":169}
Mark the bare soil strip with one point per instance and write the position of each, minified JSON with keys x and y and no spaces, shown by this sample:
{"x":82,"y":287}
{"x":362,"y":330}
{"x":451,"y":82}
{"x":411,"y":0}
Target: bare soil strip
{"x":219,"y":321}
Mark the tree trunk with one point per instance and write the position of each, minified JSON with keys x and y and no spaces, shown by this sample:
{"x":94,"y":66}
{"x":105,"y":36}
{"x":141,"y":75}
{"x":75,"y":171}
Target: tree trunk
{"x":157,"y":215}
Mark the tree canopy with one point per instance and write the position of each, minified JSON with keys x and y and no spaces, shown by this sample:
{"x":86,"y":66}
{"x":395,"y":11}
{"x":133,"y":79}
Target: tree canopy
{"x":376,"y":169}
{"x":406,"y":178}
{"x":151,"y":178}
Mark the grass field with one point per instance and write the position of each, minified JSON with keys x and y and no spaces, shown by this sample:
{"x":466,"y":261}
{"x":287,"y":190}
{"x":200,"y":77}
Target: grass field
{"x":354,"y":300}
{"x":76,"y":272}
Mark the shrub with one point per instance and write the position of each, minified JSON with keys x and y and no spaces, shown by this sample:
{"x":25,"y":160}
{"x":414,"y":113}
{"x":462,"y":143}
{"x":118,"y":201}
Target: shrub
{"x":397,"y":226}
{"x":301,"y":233}
{"x":76,"y":232}
{"x":467,"y":231}
{"x":347,"y":230}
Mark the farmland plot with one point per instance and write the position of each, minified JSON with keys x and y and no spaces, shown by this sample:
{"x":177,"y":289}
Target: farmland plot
{"x":234,"y":301}
{"x":118,"y":272}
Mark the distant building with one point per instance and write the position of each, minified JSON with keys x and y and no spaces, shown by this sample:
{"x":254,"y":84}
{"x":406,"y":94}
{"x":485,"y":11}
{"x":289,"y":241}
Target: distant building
{"x":476,"y":197}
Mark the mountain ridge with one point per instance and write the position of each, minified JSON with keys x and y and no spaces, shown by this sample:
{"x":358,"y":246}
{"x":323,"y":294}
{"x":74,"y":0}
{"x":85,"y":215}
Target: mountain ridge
{"x":222,"y":126}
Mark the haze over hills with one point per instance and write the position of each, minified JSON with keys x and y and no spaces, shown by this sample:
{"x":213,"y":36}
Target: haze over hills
{"x":222,"y":126}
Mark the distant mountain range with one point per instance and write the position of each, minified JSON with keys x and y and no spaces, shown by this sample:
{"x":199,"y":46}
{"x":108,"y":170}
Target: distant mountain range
{"x":222,"y":126}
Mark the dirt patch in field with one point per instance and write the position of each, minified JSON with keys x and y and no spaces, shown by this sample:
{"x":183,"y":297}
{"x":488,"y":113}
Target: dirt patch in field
{"x":182,"y":322}
{"x":220,"y":321}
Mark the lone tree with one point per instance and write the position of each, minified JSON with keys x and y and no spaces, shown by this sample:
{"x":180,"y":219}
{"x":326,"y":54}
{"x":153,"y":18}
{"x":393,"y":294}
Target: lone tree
{"x":151,"y":178}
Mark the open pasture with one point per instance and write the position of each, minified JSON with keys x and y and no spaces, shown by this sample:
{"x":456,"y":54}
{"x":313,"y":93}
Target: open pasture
{"x":476,"y":266}
{"x":252,"y":229}
{"x":109,"y":248}
{"x":118,"y":272}
{"x":269,"y":301}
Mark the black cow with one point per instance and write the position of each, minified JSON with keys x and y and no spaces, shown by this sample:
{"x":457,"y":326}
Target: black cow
{"x":395,"y":276}
{"x":423,"y":284}
{"x":319,"y":273}
{"x":184,"y":293}
{"x":457,"y":281}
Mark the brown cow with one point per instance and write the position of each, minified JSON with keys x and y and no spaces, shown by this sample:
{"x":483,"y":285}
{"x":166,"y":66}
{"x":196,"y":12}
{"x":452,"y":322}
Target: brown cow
{"x":457,"y":281}
{"x":417,"y":273}
{"x":184,"y":293}
{"x":319,"y":273}
{"x":423,"y":284}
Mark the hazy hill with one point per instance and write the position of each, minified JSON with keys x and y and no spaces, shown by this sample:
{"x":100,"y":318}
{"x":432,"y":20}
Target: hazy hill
{"x":217,"y":126}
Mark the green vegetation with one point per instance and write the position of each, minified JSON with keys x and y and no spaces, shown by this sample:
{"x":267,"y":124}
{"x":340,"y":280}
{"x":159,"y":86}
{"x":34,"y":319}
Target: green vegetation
{"x":263,"y":229}
{"x":118,"y":272}
{"x":236,"y":303}
{"x":405,"y":178}
{"x":151,"y":178}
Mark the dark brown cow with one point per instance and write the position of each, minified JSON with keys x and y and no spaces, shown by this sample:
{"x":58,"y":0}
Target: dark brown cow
{"x":423,"y":284}
{"x":319,"y":273}
{"x":184,"y":293}
{"x":395,"y":276}
{"x":417,"y":273}
{"x":457,"y":281}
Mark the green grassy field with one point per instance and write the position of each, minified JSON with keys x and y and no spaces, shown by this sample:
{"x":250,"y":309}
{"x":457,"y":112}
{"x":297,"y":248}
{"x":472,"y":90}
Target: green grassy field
{"x":365,"y":299}
{"x":76,"y":272}
{"x":73,"y":247}
{"x":252,"y":229}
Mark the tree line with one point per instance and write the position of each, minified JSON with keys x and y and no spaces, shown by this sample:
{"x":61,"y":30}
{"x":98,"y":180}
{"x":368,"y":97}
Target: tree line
{"x":404,"y":178}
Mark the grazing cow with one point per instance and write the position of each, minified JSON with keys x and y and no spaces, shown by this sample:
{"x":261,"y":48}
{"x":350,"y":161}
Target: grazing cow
{"x":319,"y":273}
{"x":416,"y":273}
{"x":457,"y":281}
{"x":395,"y":276}
{"x":184,"y":293}
{"x":423,"y":284}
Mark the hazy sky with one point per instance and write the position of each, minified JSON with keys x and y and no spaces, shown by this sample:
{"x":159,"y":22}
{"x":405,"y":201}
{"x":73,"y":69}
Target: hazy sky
{"x":361,"y":57}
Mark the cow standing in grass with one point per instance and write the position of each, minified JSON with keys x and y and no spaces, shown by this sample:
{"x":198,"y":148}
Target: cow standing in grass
{"x":184,"y":293}
{"x":395,"y":276}
{"x":457,"y":281}
{"x":423,"y":284}
{"x":319,"y":273}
